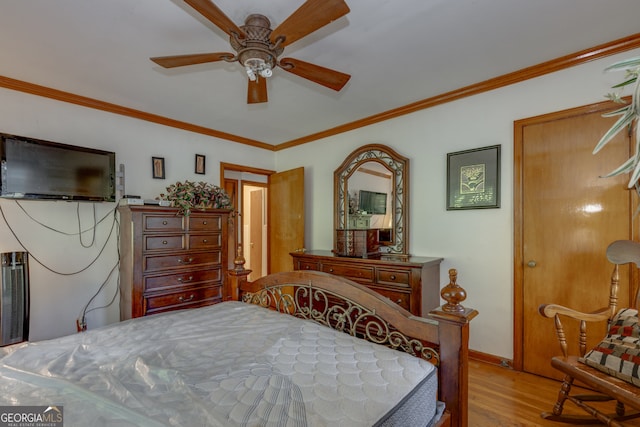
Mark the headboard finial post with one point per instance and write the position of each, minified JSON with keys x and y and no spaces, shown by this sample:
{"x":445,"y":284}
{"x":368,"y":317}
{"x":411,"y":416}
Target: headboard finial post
{"x":239,"y":261}
{"x":236,"y":278}
{"x":453,"y":294}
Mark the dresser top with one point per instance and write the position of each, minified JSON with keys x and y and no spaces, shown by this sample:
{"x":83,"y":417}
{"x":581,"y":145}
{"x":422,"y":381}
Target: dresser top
{"x":401,"y":260}
{"x":169,"y":209}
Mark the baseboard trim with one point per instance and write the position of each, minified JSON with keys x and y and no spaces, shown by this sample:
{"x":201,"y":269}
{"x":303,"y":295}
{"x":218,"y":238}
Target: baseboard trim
{"x":490,"y":358}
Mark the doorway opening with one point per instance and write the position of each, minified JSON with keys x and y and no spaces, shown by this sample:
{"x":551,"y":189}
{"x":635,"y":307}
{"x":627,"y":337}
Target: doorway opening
{"x":254,"y":228}
{"x":248,"y":189}
{"x":283,"y":207}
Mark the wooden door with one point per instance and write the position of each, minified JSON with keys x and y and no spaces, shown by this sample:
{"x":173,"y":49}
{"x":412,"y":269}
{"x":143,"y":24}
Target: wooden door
{"x":255,"y":233}
{"x":285,"y":211}
{"x":565,"y":217}
{"x":285,"y":218}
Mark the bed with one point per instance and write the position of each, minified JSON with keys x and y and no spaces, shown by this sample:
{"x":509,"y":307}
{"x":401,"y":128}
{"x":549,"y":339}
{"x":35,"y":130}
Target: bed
{"x":247,"y":364}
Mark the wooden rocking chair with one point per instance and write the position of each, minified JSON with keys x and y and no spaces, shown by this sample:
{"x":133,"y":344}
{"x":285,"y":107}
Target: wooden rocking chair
{"x":607,"y":386}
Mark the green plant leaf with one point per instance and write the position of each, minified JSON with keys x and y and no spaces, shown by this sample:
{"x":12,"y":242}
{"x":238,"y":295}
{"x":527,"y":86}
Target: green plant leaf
{"x":624,"y":64}
{"x":190,"y":195}
{"x":622,"y":122}
{"x":630,"y":114}
{"x":635,"y":99}
{"x":625,"y":83}
{"x":618,"y":112}
{"x":634,"y":176}
{"x":623,"y":168}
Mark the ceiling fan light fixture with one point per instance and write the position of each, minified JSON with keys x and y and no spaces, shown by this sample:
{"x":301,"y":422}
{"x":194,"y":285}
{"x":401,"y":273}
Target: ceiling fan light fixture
{"x":266,"y":72}
{"x":251,"y":74}
{"x":257,"y":67}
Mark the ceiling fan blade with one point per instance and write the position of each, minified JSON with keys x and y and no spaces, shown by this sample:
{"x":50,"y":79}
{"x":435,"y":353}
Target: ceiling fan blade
{"x":325,"y":76}
{"x":313,"y":14}
{"x":191,"y":59}
{"x":257,"y":91}
{"x":210,"y":11}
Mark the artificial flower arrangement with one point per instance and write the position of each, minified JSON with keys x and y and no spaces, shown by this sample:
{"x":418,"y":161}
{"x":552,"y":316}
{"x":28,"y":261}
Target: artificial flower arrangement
{"x":190,"y":195}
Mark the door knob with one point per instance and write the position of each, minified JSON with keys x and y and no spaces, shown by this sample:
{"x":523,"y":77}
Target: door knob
{"x":532,"y":263}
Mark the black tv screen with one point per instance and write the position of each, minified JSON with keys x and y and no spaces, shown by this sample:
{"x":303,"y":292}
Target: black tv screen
{"x":37,"y":169}
{"x":372,"y":202}
{"x":385,"y":236}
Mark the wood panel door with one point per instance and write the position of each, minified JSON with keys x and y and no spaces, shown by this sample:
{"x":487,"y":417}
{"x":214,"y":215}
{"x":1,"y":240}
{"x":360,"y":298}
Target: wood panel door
{"x":285,"y":210}
{"x":565,"y":217}
{"x":256,"y":229}
{"x":285,"y":218}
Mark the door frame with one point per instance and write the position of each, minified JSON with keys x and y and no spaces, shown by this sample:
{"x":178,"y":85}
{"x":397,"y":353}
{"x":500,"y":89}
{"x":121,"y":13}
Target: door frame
{"x":518,"y":202}
{"x":224,"y":167}
{"x":264,"y":249}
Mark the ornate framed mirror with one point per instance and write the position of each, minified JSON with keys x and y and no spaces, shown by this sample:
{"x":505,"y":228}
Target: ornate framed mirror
{"x":371,"y":192}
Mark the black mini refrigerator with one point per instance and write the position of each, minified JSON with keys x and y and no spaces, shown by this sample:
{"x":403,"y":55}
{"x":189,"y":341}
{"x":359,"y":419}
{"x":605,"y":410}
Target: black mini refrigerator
{"x":14,"y":298}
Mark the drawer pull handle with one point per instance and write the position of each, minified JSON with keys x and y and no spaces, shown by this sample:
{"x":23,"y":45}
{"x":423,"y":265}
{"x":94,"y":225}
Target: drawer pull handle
{"x":164,"y":222}
{"x":164,"y":242}
{"x":393,"y":277}
{"x":183,"y":280}
{"x":306,"y":267}
{"x":331,"y":270}
{"x":205,"y":241}
{"x":399,"y":301}
{"x":187,"y":261}
{"x":182,"y":299}
{"x":204,"y":222}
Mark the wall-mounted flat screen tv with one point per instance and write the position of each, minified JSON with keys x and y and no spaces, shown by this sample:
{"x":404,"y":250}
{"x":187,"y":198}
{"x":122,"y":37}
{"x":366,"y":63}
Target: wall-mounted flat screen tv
{"x":36,"y":169}
{"x":372,"y":202}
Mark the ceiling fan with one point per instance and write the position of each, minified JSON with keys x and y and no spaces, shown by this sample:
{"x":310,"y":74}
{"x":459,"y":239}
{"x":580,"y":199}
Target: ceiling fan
{"x":258,"y":47}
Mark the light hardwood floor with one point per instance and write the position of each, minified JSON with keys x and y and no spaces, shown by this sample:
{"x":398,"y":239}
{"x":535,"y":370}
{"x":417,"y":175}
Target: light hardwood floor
{"x":502,"y":397}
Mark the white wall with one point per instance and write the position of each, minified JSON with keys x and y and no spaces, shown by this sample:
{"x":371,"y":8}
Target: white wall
{"x":478,"y":243}
{"x":57,"y":299}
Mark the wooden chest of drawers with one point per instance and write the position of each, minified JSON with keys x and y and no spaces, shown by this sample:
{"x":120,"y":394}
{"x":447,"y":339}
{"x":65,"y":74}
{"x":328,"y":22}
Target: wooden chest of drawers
{"x":170,"y":261}
{"x":357,"y":243}
{"x":411,"y":282}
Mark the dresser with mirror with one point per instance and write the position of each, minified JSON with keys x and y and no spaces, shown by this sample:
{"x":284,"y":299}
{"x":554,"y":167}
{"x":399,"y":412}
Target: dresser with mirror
{"x":371,"y":231}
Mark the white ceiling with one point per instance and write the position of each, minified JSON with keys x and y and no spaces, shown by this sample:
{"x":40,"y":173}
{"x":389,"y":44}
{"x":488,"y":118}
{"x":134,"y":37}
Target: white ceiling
{"x":397,"y":51}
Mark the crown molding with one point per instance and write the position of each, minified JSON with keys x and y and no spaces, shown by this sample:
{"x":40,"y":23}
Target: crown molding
{"x":591,"y":54}
{"x":571,"y":60}
{"x":47,"y":92}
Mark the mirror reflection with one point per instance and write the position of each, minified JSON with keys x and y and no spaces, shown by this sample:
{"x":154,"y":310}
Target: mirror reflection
{"x":370,"y":194}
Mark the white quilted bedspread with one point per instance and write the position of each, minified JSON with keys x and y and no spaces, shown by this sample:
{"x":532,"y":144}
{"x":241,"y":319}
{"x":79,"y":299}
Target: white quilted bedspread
{"x":227,"y":364}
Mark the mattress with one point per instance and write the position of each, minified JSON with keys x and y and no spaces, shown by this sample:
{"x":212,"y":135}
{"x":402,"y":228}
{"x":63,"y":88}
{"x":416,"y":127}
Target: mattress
{"x":227,"y":364}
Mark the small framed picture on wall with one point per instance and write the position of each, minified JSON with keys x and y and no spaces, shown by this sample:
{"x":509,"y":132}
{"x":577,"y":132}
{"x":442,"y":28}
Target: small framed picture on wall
{"x":157,"y":165}
{"x":473,"y":178}
{"x":200,"y":164}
